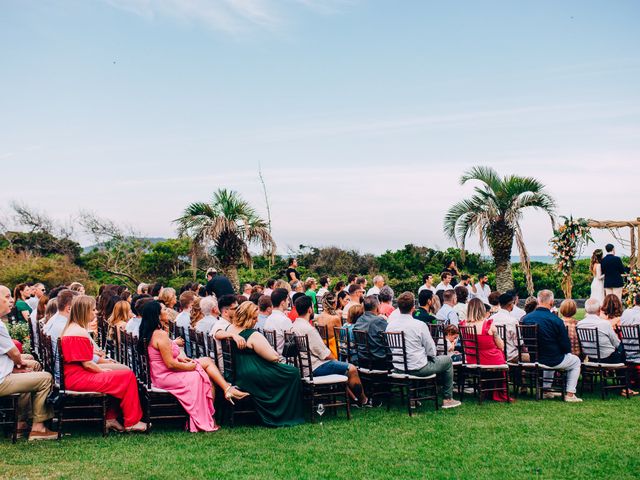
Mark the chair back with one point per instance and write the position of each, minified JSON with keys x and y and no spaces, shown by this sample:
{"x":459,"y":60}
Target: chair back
{"x":397,"y":347}
{"x":34,"y":340}
{"x":172,"y":329}
{"x":228,"y":359}
{"x":270,"y":335}
{"x":144,"y":368}
{"x":47,"y":353}
{"x":292,"y":359}
{"x":471,"y":350}
{"x":193,"y":347}
{"x":61,"y":363}
{"x":199,"y":346}
{"x":304,"y":356}
{"x":631,"y":340}
{"x":346,"y":351}
{"x":502,"y":332}
{"x":323,"y":330}
{"x":589,"y":342}
{"x":437,"y":333}
{"x":103,"y":336}
{"x":527,"y":342}
{"x":212,"y":350}
{"x":131,"y":352}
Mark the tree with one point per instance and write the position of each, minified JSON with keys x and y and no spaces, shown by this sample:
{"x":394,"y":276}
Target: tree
{"x":494,"y":213}
{"x":227,"y":226}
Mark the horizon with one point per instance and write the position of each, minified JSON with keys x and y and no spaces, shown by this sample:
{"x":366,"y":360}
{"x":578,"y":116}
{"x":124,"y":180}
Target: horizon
{"x":362,"y":115}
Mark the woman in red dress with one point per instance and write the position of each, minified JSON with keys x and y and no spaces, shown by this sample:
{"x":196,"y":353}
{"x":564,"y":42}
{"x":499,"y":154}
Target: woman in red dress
{"x":490,"y":345}
{"x":83,"y":374}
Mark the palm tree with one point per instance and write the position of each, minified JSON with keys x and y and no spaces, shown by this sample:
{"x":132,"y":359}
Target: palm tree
{"x":494,"y":213}
{"x":227,"y":226}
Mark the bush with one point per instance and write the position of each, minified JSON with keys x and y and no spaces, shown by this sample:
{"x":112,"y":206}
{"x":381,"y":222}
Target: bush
{"x":20,"y":332}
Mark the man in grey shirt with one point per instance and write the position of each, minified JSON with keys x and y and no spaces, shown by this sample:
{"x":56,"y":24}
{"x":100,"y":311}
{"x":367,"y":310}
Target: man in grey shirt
{"x":607,"y":338}
{"x":374,"y":325}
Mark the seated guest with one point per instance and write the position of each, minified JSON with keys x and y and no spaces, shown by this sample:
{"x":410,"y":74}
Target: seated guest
{"x":631,"y":316}
{"x":17,"y":376}
{"x":494,"y":302}
{"x":324,"y":287}
{"x":490,"y":346}
{"x":445,"y":283}
{"x":269,"y":286}
{"x":427,"y":283}
{"x":447,"y":314}
{"x":196,"y":312}
{"x":462,"y":295}
{"x":378,"y":283}
{"x":168,"y":298}
{"x":607,"y":338}
{"x":386,"y":301}
{"x":275,"y":387}
{"x":503,"y":317}
{"x":209,"y":309}
{"x":265,"y":308}
{"x":35,"y":317}
{"x":22,"y":293}
{"x":228,"y":304}
{"x":343,"y":300}
{"x":278,"y":321}
{"x":422,"y":356}
{"x":530,"y":304}
{"x":186,"y":379}
{"x":354,"y":314}
{"x":82,"y":374}
{"x":355,"y":295}
{"x":56,"y":324}
{"x":517,"y":312}
{"x":310,"y":286}
{"x":554,"y":346}
{"x":118,"y":320}
{"x":293,"y":314}
{"x":612,"y":309}
{"x":452,"y":339}
{"x":374,"y":325}
{"x":423,"y":312}
{"x":568,"y":310}
{"x":183,"y":320}
{"x":133,"y":325}
{"x":329,"y":318}
{"x":323,"y":361}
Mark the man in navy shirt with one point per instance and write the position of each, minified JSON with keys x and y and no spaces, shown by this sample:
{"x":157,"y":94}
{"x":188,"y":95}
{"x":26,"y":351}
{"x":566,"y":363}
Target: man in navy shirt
{"x":554,"y":347}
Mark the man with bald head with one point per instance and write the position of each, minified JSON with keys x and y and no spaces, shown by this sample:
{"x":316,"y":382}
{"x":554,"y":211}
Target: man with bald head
{"x":17,"y":376}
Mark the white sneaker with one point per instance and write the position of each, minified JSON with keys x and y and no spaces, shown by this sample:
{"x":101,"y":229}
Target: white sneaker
{"x":572,"y":399}
{"x":550,"y":395}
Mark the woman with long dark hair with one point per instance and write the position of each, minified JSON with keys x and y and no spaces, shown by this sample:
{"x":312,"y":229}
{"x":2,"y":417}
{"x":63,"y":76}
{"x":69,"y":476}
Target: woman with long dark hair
{"x":188,"y":380}
{"x":597,"y":285}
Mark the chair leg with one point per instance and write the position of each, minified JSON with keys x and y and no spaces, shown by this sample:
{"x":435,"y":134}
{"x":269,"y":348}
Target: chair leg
{"x":409,"y":399}
{"x":14,"y":433}
{"x":104,"y":416}
{"x":346,"y":398}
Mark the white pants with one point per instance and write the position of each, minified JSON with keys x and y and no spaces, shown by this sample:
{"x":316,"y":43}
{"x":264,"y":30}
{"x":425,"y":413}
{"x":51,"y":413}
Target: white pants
{"x":615,"y":291}
{"x":571,"y":364}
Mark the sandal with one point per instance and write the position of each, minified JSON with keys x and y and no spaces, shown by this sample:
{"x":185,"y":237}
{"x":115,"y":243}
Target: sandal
{"x":232,"y":393}
{"x":114,"y":425}
{"x":138,"y":427}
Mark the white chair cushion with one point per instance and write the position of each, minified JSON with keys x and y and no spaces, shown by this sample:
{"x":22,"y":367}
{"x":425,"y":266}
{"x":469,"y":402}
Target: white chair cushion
{"x":372,"y":372}
{"x":157,"y":390}
{"x":406,"y":376}
{"x":327,"y":379}
{"x":605,"y":365}
{"x":80,"y":394}
{"x":535,"y":364}
{"x":494,"y":367}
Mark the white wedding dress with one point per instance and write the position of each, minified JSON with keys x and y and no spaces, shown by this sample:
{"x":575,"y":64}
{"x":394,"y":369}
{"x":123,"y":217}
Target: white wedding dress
{"x":597,"y":285}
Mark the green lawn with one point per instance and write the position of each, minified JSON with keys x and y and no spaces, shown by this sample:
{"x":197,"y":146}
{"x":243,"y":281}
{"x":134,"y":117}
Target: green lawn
{"x":547,"y":439}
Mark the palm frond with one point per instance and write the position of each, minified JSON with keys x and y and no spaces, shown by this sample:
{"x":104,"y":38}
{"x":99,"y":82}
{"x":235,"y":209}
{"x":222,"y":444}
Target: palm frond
{"x":486,"y":175}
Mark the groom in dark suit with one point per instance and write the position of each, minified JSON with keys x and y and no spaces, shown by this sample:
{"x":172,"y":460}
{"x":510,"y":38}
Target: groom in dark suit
{"x":612,"y":269}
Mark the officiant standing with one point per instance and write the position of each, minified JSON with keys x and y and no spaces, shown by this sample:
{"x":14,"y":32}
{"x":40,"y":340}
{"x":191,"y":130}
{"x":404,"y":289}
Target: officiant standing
{"x":613,"y":269}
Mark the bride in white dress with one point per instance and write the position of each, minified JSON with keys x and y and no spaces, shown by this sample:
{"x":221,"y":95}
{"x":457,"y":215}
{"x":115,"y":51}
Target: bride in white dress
{"x":597,"y":285}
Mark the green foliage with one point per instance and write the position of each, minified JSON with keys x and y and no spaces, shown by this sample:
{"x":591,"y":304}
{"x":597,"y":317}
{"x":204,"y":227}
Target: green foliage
{"x":40,"y":243}
{"x":20,"y":332}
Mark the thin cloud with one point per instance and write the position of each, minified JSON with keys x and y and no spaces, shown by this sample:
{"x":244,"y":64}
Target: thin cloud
{"x":229,"y":16}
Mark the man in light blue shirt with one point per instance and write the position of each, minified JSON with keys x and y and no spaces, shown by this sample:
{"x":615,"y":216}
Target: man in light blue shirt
{"x":447,"y":313}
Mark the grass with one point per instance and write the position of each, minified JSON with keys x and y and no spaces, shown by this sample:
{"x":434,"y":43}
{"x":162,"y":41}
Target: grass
{"x":528,"y":439}
{"x":580,"y":314}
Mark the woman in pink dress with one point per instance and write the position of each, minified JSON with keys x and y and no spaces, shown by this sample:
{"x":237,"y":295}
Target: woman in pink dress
{"x":186,"y":379}
{"x":490,"y":345}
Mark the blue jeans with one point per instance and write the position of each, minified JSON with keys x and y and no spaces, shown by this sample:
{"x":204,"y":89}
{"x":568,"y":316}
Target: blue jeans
{"x":332,"y":367}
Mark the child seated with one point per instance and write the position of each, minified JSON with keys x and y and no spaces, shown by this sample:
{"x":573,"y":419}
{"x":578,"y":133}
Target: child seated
{"x":452,"y":336}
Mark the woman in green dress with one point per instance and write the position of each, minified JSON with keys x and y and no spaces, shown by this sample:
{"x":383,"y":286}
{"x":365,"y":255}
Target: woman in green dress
{"x":20,"y":295}
{"x":276,"y":388}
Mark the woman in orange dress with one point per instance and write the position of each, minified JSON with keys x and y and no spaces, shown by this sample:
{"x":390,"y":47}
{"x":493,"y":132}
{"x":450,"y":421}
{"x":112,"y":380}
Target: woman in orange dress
{"x":83,"y":374}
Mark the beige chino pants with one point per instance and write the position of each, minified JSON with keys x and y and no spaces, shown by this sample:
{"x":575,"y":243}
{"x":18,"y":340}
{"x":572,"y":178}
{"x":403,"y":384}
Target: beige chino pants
{"x":35,"y":387}
{"x":615,"y":291}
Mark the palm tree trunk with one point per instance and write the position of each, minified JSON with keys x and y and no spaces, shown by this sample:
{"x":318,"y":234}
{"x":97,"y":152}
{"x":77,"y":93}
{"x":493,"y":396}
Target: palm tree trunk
{"x":231,"y":272}
{"x":500,"y":237}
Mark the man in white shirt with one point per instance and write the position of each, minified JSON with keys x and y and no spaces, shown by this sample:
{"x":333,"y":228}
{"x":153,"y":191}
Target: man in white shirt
{"x":323,"y":362}
{"x":483,"y":290}
{"x":445,"y":283}
{"x":422,"y":358}
{"x":324,"y":287}
{"x":35,"y":386}
{"x":57,"y":323}
{"x":517,"y":312}
{"x":278,"y":320}
{"x":265,"y":309}
{"x":209,"y":308}
{"x":227,"y":304}
{"x":504,"y":316}
{"x":631,"y":316}
{"x":467,"y":282}
{"x":447,"y":314}
{"x":378,"y":283}
{"x":133,"y":325}
{"x":607,"y":338}
{"x":183,"y":320}
{"x":427,"y":282}
{"x":355,"y":294}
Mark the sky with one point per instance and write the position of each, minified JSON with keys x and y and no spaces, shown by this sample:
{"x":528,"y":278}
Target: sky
{"x":361,"y":114}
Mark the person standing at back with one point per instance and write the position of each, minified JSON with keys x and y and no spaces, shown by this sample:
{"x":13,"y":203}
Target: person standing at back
{"x":291,"y":273}
{"x":217,"y":284}
{"x":612,"y":269}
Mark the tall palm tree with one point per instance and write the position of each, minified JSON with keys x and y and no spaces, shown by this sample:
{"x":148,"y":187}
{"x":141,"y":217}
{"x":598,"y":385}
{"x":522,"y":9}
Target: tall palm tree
{"x":494,"y":213}
{"x":227,"y":226}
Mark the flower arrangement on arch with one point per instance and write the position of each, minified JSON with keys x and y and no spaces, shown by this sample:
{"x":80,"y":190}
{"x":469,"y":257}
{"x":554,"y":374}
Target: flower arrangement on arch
{"x":566,"y":245}
{"x":632,"y":286}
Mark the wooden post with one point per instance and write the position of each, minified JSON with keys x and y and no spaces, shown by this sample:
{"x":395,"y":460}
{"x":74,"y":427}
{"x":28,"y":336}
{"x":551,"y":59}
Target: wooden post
{"x":633,"y":257}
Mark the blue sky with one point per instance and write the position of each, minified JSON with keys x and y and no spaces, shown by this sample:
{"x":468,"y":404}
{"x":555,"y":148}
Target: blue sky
{"x":363,"y":114}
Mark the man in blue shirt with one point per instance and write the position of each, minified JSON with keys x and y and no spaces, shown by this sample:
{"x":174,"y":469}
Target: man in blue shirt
{"x":554,"y":347}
